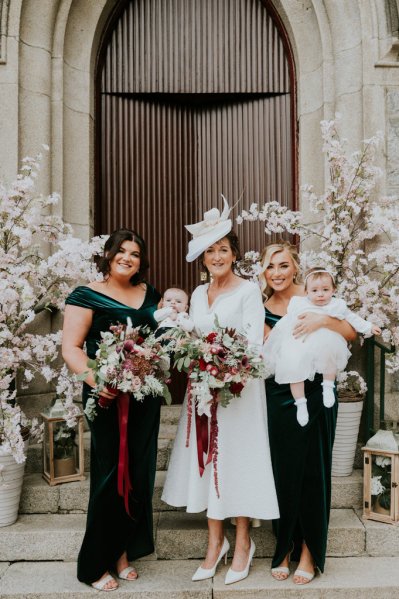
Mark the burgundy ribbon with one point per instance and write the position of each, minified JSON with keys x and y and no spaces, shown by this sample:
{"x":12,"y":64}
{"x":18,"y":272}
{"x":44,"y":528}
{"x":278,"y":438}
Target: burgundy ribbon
{"x":124,"y":484}
{"x":122,"y":402}
{"x":201,"y":424}
{"x":207,"y":444}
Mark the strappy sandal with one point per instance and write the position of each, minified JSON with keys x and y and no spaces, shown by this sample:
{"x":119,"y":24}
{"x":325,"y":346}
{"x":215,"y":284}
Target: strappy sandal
{"x":124,"y":574}
{"x":101,"y":584}
{"x":284,"y":570}
{"x":308,"y":576}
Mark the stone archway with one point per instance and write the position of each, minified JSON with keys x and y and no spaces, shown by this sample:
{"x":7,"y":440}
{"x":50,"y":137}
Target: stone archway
{"x":57,"y":53}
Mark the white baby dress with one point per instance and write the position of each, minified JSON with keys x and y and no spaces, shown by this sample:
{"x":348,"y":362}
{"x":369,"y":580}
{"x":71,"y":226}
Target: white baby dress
{"x":293,"y":360}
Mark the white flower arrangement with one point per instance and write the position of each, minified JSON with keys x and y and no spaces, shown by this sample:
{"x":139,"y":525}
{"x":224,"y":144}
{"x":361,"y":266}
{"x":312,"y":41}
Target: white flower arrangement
{"x":357,"y":238}
{"x":350,"y":380}
{"x":381,"y":480}
{"x":249,"y":267}
{"x":33,"y":280}
{"x":376,"y":487}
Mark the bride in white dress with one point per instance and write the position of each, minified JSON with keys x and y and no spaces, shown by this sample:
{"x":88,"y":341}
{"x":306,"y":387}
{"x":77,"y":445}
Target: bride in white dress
{"x":246,"y":484}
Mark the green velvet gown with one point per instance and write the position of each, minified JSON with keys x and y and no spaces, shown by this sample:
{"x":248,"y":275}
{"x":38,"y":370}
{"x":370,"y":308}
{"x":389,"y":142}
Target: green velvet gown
{"x":301,"y":460}
{"x":109,"y":530}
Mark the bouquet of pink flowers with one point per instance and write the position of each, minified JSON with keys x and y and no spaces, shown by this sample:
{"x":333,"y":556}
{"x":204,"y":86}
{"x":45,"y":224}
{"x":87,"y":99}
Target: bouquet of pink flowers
{"x":219,"y":365}
{"x":129,"y":361}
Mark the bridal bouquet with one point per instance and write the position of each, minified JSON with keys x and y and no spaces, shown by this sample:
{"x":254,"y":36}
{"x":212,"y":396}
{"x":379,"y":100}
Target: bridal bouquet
{"x":218,"y":365}
{"x":129,"y":361}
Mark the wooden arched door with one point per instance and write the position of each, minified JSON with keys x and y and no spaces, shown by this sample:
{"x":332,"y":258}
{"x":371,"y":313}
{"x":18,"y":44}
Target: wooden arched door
{"x":194,"y":98}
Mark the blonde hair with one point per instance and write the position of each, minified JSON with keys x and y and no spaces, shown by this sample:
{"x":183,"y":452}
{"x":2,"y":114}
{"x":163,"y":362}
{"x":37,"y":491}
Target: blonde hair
{"x":265,"y":259}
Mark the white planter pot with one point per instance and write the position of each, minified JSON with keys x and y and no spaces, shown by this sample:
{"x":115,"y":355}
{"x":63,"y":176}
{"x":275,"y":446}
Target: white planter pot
{"x":11,"y":479}
{"x":346,"y":434}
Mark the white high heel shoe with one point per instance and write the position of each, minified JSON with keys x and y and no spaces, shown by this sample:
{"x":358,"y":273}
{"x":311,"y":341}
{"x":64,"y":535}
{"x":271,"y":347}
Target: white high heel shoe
{"x":233,"y":576}
{"x":204,"y":573}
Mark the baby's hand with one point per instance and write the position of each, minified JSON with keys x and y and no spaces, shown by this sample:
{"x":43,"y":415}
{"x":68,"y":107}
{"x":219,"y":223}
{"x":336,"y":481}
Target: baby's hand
{"x":163,"y":313}
{"x":376,"y":330}
{"x":184,"y":322}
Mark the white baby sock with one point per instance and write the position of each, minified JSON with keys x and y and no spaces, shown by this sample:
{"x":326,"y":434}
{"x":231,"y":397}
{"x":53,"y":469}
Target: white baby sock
{"x":328,"y":393}
{"x":302,"y":414}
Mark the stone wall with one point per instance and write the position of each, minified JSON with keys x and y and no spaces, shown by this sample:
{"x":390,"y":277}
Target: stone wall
{"x":346,"y":61}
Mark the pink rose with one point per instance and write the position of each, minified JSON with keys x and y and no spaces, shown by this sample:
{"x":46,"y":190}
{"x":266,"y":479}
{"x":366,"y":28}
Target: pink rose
{"x":135,"y":383}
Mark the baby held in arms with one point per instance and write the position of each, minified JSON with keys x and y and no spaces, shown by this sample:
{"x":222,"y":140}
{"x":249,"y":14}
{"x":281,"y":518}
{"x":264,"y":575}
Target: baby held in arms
{"x":323,"y":351}
{"x":173,"y":313}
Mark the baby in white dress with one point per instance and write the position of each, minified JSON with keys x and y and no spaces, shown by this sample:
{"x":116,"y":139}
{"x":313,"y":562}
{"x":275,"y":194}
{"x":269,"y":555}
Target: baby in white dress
{"x":323,"y":351}
{"x":174,"y":311}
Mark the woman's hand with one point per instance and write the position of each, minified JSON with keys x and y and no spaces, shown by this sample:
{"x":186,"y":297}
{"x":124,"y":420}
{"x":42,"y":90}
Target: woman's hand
{"x":106,"y":394}
{"x":89,"y":380}
{"x":308,"y":323}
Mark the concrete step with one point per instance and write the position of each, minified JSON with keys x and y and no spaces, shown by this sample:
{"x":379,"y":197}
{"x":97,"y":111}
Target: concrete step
{"x":170,"y":414}
{"x":34,"y":460}
{"x":347,"y":491}
{"x":184,"y":536}
{"x":381,"y":539}
{"x":57,"y":580}
{"x":39,"y":498}
{"x":350,"y":578}
{"x":41,"y":537}
{"x":167,"y":430}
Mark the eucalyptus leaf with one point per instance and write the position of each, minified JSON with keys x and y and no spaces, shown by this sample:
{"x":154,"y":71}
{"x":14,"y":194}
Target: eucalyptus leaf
{"x":227,"y":340}
{"x":166,"y":394}
{"x":82,"y":376}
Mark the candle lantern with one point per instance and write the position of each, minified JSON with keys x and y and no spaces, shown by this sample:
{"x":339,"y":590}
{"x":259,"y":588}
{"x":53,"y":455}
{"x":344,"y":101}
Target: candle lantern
{"x":63,"y":448}
{"x":381,"y":477}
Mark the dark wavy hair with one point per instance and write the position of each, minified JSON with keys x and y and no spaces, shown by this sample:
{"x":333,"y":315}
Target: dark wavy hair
{"x":234,"y":244}
{"x":111,"y":248}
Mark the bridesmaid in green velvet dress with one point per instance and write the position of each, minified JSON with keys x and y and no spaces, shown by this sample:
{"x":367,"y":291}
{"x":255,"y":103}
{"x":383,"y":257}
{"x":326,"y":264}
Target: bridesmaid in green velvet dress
{"x":301,"y":456}
{"x":112,"y":537}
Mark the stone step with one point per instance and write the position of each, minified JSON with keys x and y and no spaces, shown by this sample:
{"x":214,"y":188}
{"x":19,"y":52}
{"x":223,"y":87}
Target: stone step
{"x":34,"y":460}
{"x":52,"y":580}
{"x":351,"y":578}
{"x":170,"y":414}
{"x":39,"y":498}
{"x":42,"y":537}
{"x":347,"y":491}
{"x":184,"y":536}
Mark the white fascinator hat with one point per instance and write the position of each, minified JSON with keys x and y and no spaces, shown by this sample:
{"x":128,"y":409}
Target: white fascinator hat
{"x":214,"y":227}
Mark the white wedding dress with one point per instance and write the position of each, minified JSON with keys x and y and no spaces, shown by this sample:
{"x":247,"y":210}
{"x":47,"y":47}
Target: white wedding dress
{"x":246,"y":484}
